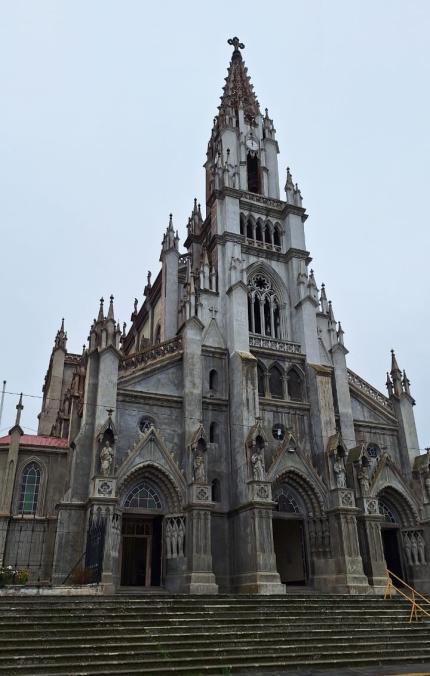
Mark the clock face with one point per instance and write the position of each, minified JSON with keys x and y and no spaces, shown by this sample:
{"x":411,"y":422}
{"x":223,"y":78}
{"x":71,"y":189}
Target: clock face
{"x":252,"y":144}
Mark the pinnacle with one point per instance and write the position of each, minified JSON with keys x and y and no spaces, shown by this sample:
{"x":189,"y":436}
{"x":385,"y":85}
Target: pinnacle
{"x":238,"y":91}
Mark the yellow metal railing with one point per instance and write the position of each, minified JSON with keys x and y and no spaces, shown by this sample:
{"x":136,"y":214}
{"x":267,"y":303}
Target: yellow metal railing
{"x":415,"y":607}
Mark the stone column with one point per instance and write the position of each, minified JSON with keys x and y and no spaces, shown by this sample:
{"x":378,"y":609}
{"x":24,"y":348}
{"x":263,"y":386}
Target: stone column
{"x":199,"y":578}
{"x":372,"y":551}
{"x":70,"y":541}
{"x":254,"y":558}
{"x":348,"y":566}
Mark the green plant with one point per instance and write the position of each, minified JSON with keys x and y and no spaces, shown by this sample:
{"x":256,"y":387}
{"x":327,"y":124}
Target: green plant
{"x":21,"y":576}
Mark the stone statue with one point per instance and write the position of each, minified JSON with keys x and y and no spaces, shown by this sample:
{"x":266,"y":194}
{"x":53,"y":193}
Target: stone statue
{"x":421,"y":547}
{"x":414,"y":548}
{"x":363,"y":480}
{"x":106,"y":459}
{"x":258,"y":470}
{"x":339,"y":472}
{"x":199,"y":470}
{"x":427,"y":488}
{"x":181,"y":536}
{"x":175,"y":540}
{"x":408,"y":549}
{"x":169,"y":540}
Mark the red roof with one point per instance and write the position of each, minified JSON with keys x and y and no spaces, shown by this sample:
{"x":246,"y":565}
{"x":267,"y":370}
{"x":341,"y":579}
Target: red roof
{"x":37,"y":440}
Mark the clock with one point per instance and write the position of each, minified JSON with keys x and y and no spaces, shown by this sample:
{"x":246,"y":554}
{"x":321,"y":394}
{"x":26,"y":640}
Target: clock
{"x":252,"y":144}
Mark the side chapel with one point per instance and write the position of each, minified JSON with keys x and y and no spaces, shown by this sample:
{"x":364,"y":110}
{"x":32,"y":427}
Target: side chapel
{"x":221,"y":443}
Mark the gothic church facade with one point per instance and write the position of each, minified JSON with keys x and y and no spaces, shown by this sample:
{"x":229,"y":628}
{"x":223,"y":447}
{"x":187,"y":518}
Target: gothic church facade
{"x":221,"y":444}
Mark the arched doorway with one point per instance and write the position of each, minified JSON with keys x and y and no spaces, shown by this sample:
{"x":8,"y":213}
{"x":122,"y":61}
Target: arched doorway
{"x":397,"y":516}
{"x":152,"y":531}
{"x":289,"y":536}
{"x":141,"y":536}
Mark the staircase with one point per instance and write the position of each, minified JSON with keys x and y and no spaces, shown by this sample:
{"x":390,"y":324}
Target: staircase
{"x":161,"y":634}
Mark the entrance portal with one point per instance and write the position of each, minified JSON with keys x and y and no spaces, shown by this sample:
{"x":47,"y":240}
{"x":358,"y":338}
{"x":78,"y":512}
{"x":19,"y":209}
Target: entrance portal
{"x":288,"y":537}
{"x":390,"y":543}
{"x":141,"y":551}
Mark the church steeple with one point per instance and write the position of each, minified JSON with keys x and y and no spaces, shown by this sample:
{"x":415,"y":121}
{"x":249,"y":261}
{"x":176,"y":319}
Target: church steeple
{"x":238,"y":92}
{"x":242,"y":150}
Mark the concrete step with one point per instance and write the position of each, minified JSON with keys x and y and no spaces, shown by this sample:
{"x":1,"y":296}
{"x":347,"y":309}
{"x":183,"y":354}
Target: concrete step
{"x":207,"y":649}
{"x":202,"y":663}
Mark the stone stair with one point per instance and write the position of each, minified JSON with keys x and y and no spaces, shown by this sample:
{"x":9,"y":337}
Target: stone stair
{"x":161,"y":634}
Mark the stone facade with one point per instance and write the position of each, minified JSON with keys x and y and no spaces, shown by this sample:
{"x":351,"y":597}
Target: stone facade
{"x":221,"y":444}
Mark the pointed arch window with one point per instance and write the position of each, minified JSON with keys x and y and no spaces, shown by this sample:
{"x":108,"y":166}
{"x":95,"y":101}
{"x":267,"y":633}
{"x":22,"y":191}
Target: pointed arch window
{"x":263,"y":307}
{"x":143,"y":496}
{"x":277,"y":236}
{"x":261,"y":377}
{"x":253,"y":169}
{"x":213,"y":433}
{"x":30,"y":487}
{"x":295,"y":385}
{"x":387,"y":511}
{"x":275,"y":383}
{"x":288,"y":501}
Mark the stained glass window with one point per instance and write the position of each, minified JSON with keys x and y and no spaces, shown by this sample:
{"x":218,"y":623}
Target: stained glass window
{"x":30,"y":484}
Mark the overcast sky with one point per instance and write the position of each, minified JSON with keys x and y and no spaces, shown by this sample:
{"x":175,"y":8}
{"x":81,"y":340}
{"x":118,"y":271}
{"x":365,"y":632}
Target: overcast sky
{"x":106,"y":109}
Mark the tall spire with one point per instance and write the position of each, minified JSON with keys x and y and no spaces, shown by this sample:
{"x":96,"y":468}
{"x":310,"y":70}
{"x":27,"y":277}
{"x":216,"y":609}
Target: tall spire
{"x":19,"y":408}
{"x":323,"y":300}
{"x":238,"y":91}
{"x":170,"y":238}
{"x":396,"y":375}
{"x":110,"y":314}
{"x":61,"y":337}
{"x":100,"y":316}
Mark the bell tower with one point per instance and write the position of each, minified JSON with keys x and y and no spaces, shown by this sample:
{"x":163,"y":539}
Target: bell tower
{"x":242,"y":151}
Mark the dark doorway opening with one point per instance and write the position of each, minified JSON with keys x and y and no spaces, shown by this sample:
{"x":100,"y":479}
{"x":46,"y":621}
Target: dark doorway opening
{"x":289,"y":542}
{"x":141,"y":551}
{"x":390,"y":543}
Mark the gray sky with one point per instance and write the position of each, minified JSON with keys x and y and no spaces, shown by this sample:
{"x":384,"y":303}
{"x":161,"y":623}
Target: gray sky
{"x":106,"y":109}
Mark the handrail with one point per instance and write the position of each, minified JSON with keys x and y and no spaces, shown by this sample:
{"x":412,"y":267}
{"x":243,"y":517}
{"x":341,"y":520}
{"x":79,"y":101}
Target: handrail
{"x":414,"y":605}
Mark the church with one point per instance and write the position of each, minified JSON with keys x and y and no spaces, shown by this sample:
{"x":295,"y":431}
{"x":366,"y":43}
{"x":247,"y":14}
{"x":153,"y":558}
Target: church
{"x":220,"y":443}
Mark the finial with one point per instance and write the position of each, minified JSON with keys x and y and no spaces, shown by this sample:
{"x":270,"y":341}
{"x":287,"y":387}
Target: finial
{"x":170,"y":221}
{"x":19,"y":408}
{"x":62,"y":325}
{"x":135,"y":306}
{"x":235,"y":42}
{"x":148,"y":277}
{"x":266,"y":111}
{"x":110,"y":311}
{"x":406,"y":383}
{"x":100,"y":315}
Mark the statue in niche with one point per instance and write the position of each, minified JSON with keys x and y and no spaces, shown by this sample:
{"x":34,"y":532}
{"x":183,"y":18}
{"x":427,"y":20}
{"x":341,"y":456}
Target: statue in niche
{"x":408,"y":549}
{"x":257,"y":462}
{"x":339,"y":472}
{"x":421,"y":546}
{"x":363,"y":480}
{"x":414,"y":549}
{"x":169,"y":540}
{"x":199,"y":470}
{"x":106,"y":459}
{"x":427,"y":488}
{"x":174,"y":540}
{"x":181,"y":536}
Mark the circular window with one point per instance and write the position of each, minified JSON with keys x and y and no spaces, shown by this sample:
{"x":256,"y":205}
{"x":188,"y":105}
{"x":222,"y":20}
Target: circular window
{"x":145,"y":423}
{"x":278,"y":431}
{"x":373,"y":450}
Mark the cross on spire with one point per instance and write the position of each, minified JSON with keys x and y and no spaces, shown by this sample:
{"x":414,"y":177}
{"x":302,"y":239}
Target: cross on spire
{"x":236,"y":43}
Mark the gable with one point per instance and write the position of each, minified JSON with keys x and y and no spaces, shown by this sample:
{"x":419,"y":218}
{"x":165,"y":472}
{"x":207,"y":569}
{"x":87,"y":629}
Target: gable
{"x":212,"y":335}
{"x":364,"y":410}
{"x":165,"y":379}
